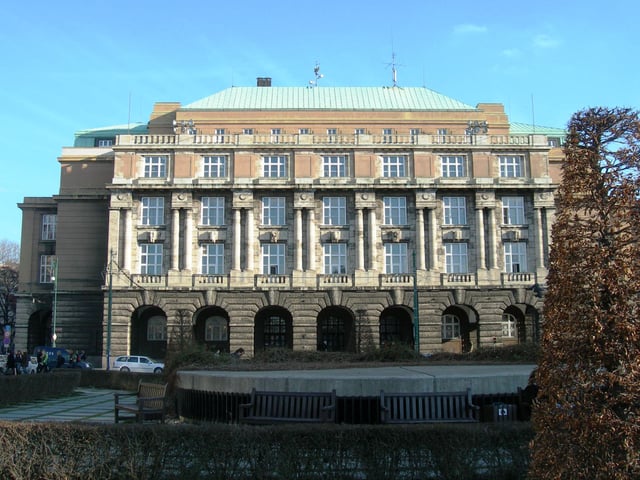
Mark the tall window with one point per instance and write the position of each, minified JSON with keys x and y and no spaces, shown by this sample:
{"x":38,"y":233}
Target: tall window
{"x":212,"y":210}
{"x":273,"y":258}
{"x":387,"y":135}
{"x":49,"y":226}
{"x":394,"y":166}
{"x":155,"y":166}
{"x":273,"y":211}
{"x":275,"y":135}
{"x":515,"y":257}
{"x":395,"y":210}
{"x":151,"y":258}
{"x":274,"y":166}
{"x":450,"y":327}
{"x":511,"y":165}
{"x":453,"y":166}
{"x":332,"y":135}
{"x":395,"y":258}
{"x":157,"y":328}
{"x":455,"y":258}
{"x":215,"y":329}
{"x":275,"y":331}
{"x":334,"y":211}
{"x":214,"y":166}
{"x":219,"y":135}
{"x":513,"y":210}
{"x":213,"y":259}
{"x":304,"y":131}
{"x":46,"y":268}
{"x":413,"y":134}
{"x":334,"y":166}
{"x":152,"y":210}
{"x":508,"y":325}
{"x":335,"y":258}
{"x":455,"y":210}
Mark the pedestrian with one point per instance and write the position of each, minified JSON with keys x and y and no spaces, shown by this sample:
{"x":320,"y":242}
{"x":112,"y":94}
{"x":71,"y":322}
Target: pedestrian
{"x":25,"y":362}
{"x":18,"y":361}
{"x":11,"y":363}
{"x":59,"y":360}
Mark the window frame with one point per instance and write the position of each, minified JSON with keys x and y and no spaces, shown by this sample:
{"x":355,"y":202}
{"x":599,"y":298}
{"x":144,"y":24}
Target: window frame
{"x":453,"y":166}
{"x":212,"y":215}
{"x":334,"y":210}
{"x":274,"y":211}
{"x":395,"y":210}
{"x":216,"y":329}
{"x":214,"y":166}
{"x":152,"y":215}
{"x":456,"y":257}
{"x":46,"y":268}
{"x":511,"y":166}
{"x":49,"y":226}
{"x":454,"y":210}
{"x":156,"y":329}
{"x":274,"y":166}
{"x":334,"y":257}
{"x":515,"y":253}
{"x":212,"y":259}
{"x":394,"y":166}
{"x":509,"y":326}
{"x":334,"y":164}
{"x":273,"y":255}
{"x":151,"y":262}
{"x":396,"y":258}
{"x":155,"y":166}
{"x":450,"y":327}
{"x":513,"y":209}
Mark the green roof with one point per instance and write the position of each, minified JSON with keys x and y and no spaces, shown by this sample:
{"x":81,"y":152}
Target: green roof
{"x":327,"y":98}
{"x":113,"y":130}
{"x":516,"y":128}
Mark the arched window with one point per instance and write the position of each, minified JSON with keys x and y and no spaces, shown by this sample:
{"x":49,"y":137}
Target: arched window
{"x":215,"y":329}
{"x":157,"y":328}
{"x":275,"y":331}
{"x":450,"y":327}
{"x":509,"y":329}
{"x":332,"y":334}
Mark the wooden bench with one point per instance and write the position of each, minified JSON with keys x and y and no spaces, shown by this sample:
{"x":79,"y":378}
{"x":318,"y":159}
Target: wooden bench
{"x":150,"y":403}
{"x":278,"y":407}
{"x":427,"y":407}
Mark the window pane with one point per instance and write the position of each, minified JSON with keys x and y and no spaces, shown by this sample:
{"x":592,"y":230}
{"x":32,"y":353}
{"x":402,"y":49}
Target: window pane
{"x":46,"y":268}
{"x":49,"y":227}
{"x":273,"y":211}
{"x":334,"y":210}
{"x":455,"y":210}
{"x":455,"y":255}
{"x":155,"y":167}
{"x":395,"y":210}
{"x":453,"y":166}
{"x":511,"y":166}
{"x":395,"y":258}
{"x":273,"y":259}
{"x":335,"y":258}
{"x":151,"y":259}
{"x":515,"y":257}
{"x":334,"y":166}
{"x":394,"y":166}
{"x":152,"y":211}
{"x":513,"y":210}
{"x":450,"y":327}
{"x":213,"y":259}
{"x":214,"y":166}
{"x":274,"y":166}
{"x":213,"y":211}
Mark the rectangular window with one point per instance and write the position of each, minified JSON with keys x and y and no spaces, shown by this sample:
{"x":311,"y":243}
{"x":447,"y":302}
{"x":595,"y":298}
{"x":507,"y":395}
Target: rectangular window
{"x":273,"y":211}
{"x":155,"y":167}
{"x":304,"y":131}
{"x":214,"y":166}
{"x":455,"y":258}
{"x":151,"y":258}
{"x":515,"y":257}
{"x":49,"y":226}
{"x":104,"y":142}
{"x":513,"y":211}
{"x":247,"y":131}
{"x":387,"y":135}
{"x":453,"y":166}
{"x":360,"y":131}
{"x":152,"y":211}
{"x":335,"y":258}
{"x":455,"y":210}
{"x":213,"y":259}
{"x":274,"y":166}
{"x":395,"y":258}
{"x":273,"y":258}
{"x":332,"y":135}
{"x":334,"y":211}
{"x":334,"y":166}
{"x":511,"y":166}
{"x":394,"y":166}
{"x":212,"y":210}
{"x":414,"y":133}
{"x":275,"y":135}
{"x":395,"y":210}
{"x":219,"y":135}
{"x":47,"y":265}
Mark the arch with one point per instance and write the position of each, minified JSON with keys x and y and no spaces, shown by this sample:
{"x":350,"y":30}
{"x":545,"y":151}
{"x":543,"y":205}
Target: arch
{"x":520,"y":324}
{"x":273,"y":329}
{"x":459,"y":329}
{"x":39,"y":329}
{"x":149,"y":332}
{"x":211,"y":329}
{"x":335,"y":330}
{"x":396,"y":326}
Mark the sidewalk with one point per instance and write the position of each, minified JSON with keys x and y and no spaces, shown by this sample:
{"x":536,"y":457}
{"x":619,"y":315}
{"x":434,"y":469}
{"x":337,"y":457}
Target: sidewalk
{"x":85,"y":405}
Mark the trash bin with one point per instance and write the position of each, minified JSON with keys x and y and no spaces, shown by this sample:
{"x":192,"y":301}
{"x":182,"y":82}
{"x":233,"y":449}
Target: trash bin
{"x":500,"y":412}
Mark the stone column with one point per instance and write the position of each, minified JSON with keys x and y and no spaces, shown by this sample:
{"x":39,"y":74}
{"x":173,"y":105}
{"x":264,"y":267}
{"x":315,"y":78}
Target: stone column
{"x":420,"y":239}
{"x":175,"y":237}
{"x":237,"y":237}
{"x":298,"y":238}
{"x":482,"y":261}
{"x":127,"y":234}
{"x":360,"y":238}
{"x":493,"y":236}
{"x":373,"y":254}
{"x":188,"y":239}
{"x":433,"y":234}
{"x":250,"y":241}
{"x":311,"y":231}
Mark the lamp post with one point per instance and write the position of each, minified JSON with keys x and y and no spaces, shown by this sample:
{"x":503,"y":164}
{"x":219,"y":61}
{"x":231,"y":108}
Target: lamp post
{"x":109,"y":308}
{"x":416,"y":313}
{"x":54,"y":277}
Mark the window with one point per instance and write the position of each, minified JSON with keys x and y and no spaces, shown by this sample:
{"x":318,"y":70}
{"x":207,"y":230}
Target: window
{"x":219,"y":135}
{"x":511,"y":166}
{"x":213,"y":259}
{"x":275,"y":134}
{"x":332,"y":135}
{"x":212,"y":210}
{"x":335,"y":258}
{"x":47,"y":265}
{"x":152,"y":211}
{"x":450,"y":327}
{"x":273,"y":258}
{"x":215,"y":329}
{"x":360,"y":131}
{"x":394,"y":166}
{"x":455,"y":210}
{"x":274,"y":166}
{"x":508,"y":325}
{"x":455,"y":258}
{"x":453,"y":166}
{"x":104,"y":142}
{"x":387,"y":135}
{"x":304,"y":131}
{"x":49,"y":226}
{"x":247,"y":131}
{"x":395,"y":210}
{"x":151,"y":258}
{"x":155,"y":167}
{"x":334,"y":166}
{"x":515,"y":257}
{"x":395,"y":258}
{"x":413,"y":133}
{"x":214,"y":166}
{"x":334,"y":211}
{"x":156,"y":329}
{"x":513,"y":210}
{"x":273,"y":211}
{"x":332,"y":334}
{"x":275,"y":331}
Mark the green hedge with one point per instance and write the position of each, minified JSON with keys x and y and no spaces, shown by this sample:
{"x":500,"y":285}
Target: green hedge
{"x":220,"y":451}
{"x":16,"y":389}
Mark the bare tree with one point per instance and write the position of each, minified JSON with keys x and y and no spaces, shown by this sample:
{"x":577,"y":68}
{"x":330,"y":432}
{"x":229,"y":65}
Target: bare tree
{"x":9,"y":253}
{"x":587,"y":415}
{"x":9,"y":258}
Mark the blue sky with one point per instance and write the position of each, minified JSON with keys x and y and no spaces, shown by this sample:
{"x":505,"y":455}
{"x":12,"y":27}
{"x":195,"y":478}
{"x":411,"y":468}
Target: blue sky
{"x":70,"y":65}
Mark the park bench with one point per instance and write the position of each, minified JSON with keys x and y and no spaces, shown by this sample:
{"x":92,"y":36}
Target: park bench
{"x":150,"y":403}
{"x":279,"y":407}
{"x":427,"y":407}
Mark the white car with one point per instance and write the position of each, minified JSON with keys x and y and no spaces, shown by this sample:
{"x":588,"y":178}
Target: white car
{"x":137,"y":363}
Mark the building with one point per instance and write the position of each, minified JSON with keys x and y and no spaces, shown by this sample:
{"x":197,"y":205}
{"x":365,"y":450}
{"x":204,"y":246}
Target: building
{"x":305,"y":218}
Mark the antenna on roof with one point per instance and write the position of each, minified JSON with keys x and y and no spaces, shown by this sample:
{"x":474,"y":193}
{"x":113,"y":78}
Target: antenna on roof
{"x":394,"y":69}
{"x":317,"y":75}
{"x":533,"y":116}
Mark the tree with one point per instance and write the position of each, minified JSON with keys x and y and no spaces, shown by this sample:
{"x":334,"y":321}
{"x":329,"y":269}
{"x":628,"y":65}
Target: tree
{"x":587,"y":415}
{"x":9,"y":253}
{"x":9,"y":258}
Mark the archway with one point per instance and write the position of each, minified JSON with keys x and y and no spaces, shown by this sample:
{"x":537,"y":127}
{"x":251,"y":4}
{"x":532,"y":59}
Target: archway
{"x":459,"y":329}
{"x":396,"y":326}
{"x":273,"y":329}
{"x":212,"y":329}
{"x":39,"y":329}
{"x":336,"y":332}
{"x":513,"y":326}
{"x":149,"y":332}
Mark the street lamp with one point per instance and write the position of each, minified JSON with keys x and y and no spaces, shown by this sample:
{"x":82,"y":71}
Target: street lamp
{"x":416,"y":306}
{"x":109,"y":308}
{"x":54,"y":277}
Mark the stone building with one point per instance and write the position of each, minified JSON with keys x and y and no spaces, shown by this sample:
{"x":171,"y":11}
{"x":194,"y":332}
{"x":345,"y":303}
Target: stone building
{"x":305,"y":218}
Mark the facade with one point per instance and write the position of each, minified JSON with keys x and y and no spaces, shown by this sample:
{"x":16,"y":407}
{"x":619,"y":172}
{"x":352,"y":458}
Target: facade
{"x":305,"y":218}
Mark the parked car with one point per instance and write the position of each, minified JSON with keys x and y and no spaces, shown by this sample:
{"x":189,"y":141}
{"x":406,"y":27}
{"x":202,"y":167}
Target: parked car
{"x":137,"y":363}
{"x":52,"y":353}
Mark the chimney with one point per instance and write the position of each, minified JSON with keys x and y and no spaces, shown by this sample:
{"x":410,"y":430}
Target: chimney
{"x":264,"y":81}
